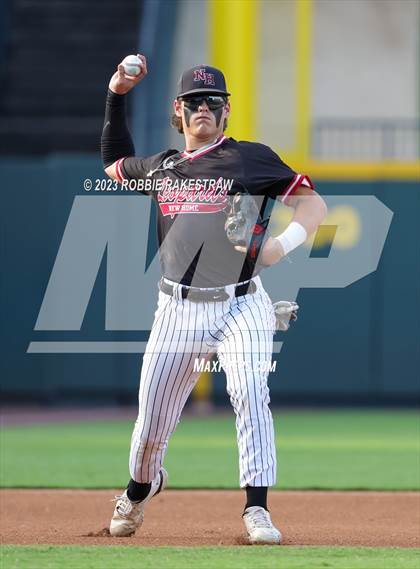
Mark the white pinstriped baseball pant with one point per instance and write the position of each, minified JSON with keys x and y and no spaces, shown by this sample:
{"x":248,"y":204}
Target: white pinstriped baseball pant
{"x":240,"y":330}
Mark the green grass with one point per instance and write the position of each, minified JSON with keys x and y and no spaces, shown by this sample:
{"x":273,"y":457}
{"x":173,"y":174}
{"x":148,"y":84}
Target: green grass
{"x":329,"y":449}
{"x":73,"y":557}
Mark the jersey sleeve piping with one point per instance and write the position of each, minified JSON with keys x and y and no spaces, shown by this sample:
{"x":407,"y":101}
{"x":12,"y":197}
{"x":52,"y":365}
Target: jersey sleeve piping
{"x":298,"y":180}
{"x":118,"y":169}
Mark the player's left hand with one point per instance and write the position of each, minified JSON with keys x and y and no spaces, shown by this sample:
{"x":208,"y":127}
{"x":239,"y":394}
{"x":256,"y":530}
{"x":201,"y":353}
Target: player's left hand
{"x":272,"y":252}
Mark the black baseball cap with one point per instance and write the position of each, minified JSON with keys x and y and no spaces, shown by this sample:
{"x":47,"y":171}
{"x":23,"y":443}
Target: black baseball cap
{"x":202,"y":79}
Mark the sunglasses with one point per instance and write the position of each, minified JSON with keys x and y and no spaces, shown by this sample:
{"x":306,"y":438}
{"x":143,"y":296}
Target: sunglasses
{"x":213,"y":102}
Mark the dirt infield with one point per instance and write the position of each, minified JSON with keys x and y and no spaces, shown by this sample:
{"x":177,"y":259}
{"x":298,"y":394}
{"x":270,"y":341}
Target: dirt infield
{"x":201,"y":517}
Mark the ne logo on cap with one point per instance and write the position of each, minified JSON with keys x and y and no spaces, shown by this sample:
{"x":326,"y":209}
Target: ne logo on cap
{"x":201,"y":75}
{"x":202,"y":78}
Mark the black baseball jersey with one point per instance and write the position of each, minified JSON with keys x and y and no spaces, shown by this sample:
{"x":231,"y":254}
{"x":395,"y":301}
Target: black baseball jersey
{"x":192,"y":203}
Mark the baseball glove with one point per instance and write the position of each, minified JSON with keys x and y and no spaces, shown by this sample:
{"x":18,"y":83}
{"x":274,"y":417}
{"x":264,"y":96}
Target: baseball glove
{"x":285,"y":312}
{"x":244,"y":225}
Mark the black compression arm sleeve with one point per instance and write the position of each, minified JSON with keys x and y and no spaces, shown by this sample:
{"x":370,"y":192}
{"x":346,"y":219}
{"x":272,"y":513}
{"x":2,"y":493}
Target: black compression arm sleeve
{"x":116,"y":140}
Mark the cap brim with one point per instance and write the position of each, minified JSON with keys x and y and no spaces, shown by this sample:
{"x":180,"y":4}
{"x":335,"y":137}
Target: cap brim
{"x":203,"y":91}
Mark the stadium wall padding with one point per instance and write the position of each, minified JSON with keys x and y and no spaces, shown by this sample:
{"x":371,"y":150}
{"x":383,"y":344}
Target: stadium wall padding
{"x":356,"y":344}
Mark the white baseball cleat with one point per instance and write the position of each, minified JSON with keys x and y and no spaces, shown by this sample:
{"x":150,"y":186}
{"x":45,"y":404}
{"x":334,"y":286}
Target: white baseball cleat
{"x":260,"y":527}
{"x":128,"y":515}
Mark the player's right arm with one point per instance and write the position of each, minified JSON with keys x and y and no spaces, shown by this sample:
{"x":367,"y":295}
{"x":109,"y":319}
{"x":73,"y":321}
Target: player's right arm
{"x":116,"y":141}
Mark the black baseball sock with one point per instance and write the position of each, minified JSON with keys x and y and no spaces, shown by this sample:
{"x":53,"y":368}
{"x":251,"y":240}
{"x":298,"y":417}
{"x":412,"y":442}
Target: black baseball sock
{"x":137,"y":491}
{"x":256,"y":496}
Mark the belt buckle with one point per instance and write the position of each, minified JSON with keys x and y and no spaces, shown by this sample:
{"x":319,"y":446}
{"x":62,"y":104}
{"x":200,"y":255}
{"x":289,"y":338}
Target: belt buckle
{"x":222,"y":295}
{"x":206,"y":295}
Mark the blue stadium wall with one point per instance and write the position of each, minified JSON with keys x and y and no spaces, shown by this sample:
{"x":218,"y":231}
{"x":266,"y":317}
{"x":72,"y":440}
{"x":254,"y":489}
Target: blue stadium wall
{"x":354,"y":345}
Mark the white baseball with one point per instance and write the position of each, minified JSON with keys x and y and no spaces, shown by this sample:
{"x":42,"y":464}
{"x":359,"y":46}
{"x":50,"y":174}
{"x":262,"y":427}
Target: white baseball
{"x":132,"y":65}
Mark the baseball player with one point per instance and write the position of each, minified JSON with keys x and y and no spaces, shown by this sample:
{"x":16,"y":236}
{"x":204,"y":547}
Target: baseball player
{"x":211,"y":200}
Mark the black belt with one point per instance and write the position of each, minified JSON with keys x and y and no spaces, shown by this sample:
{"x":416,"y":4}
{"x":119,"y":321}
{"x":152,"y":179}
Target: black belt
{"x":213,"y":295}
